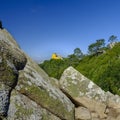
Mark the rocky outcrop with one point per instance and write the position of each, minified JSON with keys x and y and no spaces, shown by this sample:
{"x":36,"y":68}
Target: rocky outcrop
{"x":23,"y":108}
{"x":84,"y":93}
{"x":82,"y":113}
{"x":26,"y":91}
{"x":12,"y":59}
{"x":35,"y":84}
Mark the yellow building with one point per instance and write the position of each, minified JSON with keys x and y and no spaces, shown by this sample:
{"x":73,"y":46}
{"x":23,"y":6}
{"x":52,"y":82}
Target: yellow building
{"x":56,"y":57}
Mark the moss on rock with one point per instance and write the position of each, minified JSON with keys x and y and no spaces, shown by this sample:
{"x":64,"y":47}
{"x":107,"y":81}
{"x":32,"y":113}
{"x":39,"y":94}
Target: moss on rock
{"x":12,"y":59}
{"x":35,"y":84}
{"x":23,"y":108}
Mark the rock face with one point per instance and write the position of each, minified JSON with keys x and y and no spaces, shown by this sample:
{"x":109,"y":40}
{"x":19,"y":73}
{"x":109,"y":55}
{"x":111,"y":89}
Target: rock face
{"x":12,"y":59}
{"x":84,"y":93}
{"x":23,"y":108}
{"x":82,"y":113}
{"x":26,"y":92}
{"x":35,"y":84}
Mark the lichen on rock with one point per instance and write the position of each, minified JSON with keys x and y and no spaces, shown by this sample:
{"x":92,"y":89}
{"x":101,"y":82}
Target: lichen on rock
{"x":83,"y":92}
{"x":19,"y":72}
{"x":37,"y":86}
{"x":76,"y":84}
{"x":23,"y":108}
{"x":12,"y":59}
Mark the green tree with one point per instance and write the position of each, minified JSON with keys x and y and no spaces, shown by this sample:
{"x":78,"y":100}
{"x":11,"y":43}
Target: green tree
{"x":96,"y":47}
{"x":73,"y":60}
{"x":100,"y":43}
{"x":78,"y":53}
{"x":54,"y":68}
{"x":112,"y":38}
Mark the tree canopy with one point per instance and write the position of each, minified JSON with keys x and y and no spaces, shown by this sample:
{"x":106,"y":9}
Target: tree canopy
{"x":95,"y":47}
{"x":112,"y":38}
{"x":78,"y":53}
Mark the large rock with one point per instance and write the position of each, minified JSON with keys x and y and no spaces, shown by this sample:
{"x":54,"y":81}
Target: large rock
{"x":10,"y":51}
{"x":12,"y":59}
{"x":82,"y":113}
{"x":77,"y":85}
{"x":19,"y":72}
{"x":93,"y":105}
{"x":23,"y":108}
{"x":84,"y":92}
{"x":34,"y":83}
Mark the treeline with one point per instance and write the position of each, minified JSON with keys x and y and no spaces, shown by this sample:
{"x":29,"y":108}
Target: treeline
{"x":55,"y":67}
{"x":101,"y":64}
{"x":99,"y":45}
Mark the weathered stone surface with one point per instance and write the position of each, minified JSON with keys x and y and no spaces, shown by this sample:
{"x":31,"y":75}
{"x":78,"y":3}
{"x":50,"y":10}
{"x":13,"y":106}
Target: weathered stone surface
{"x":54,"y":82}
{"x":35,"y":84}
{"x":32,"y":82}
{"x":12,"y":59}
{"x":94,"y":115}
{"x":93,"y":105}
{"x":10,"y":51}
{"x":84,"y":92}
{"x":4,"y":102}
{"x":78,"y":85}
{"x":113,"y":113}
{"x":113,"y":101}
{"x":118,"y":117}
{"x":82,"y":113}
{"x":97,"y":119}
{"x":22,"y":108}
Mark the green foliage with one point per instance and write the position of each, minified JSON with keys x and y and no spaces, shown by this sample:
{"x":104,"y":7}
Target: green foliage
{"x":112,"y":38}
{"x":78,"y":53}
{"x":54,"y":68}
{"x":95,"y":47}
{"x":103,"y":69}
{"x":72,"y":60}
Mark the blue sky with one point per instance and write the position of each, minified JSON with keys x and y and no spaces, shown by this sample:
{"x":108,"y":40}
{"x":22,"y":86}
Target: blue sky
{"x":42,"y":27}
